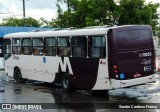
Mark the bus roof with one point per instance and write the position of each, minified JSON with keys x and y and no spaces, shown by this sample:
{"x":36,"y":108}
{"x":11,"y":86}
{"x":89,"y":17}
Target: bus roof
{"x":58,"y":33}
{"x":72,"y":32}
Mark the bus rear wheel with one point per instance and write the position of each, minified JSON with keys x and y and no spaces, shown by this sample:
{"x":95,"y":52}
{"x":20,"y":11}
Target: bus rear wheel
{"x":66,"y":84}
{"x":18,"y":76}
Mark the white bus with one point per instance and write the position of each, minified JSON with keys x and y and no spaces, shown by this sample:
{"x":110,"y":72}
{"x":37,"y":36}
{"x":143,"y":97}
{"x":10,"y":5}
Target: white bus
{"x":100,"y":58}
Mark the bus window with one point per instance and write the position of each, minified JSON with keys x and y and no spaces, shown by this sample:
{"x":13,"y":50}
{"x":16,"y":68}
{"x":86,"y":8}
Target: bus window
{"x":97,"y":46}
{"x":78,"y":46}
{"x":37,"y":46}
{"x":64,"y":46}
{"x":7,"y":48}
{"x":27,"y":46}
{"x":50,"y":46}
{"x":16,"y":46}
{"x":134,"y":39}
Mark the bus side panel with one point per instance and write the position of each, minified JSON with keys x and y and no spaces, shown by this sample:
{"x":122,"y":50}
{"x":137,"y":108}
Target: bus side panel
{"x":9,"y":66}
{"x":111,"y":56}
{"x":85,"y":72}
{"x":103,"y":81}
{"x":33,"y":69}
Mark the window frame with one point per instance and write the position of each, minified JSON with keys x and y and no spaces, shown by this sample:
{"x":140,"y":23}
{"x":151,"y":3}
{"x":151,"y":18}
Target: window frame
{"x":7,"y":47}
{"x":42,"y":47}
{"x":84,"y":46}
{"x":31,"y":47}
{"x":17,"y":47}
{"x":64,"y":48}
{"x":52,"y":47}
{"x":101,"y":48}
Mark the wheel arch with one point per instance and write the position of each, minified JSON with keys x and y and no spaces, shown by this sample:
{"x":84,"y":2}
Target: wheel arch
{"x":58,"y":77}
{"x":65,"y":77}
{"x":18,"y":75}
{"x":16,"y":67}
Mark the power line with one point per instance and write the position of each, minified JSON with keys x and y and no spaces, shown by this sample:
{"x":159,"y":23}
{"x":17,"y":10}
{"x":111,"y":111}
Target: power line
{"x":4,"y":13}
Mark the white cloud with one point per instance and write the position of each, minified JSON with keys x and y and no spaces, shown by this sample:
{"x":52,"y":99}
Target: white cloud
{"x":33,"y":8}
{"x":38,"y":13}
{"x":153,"y":1}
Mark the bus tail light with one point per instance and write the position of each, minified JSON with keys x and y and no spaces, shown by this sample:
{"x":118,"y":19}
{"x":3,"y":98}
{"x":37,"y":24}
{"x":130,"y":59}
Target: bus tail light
{"x":115,"y":69}
{"x":114,"y":66}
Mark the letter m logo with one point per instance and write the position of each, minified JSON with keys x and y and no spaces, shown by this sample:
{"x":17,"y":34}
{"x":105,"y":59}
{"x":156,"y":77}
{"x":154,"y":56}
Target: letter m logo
{"x":65,"y":65}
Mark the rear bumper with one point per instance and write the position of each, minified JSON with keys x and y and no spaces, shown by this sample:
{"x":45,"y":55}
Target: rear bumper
{"x":132,"y":82}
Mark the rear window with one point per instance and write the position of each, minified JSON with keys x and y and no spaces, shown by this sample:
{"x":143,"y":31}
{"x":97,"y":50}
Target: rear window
{"x":133,"y":39}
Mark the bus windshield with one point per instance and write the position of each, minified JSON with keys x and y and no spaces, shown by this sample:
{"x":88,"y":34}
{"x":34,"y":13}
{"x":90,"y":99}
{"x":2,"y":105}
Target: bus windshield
{"x":133,"y":39}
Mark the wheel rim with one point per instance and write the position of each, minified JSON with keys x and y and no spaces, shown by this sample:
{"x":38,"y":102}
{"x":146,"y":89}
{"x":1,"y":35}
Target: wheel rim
{"x":65,"y":82}
{"x":19,"y":76}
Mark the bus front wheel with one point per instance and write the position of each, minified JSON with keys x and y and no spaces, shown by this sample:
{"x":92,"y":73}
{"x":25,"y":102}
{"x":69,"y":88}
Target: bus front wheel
{"x":18,"y":76}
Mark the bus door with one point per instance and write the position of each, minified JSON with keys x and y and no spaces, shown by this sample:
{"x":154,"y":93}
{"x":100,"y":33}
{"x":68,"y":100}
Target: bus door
{"x":7,"y":48}
{"x":131,"y":52}
{"x":1,"y":46}
{"x":7,"y":52}
{"x":1,"y":54}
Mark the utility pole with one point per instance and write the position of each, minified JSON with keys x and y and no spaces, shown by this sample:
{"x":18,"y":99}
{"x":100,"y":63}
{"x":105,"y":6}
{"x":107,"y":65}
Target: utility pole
{"x":24,"y":14}
{"x":68,"y":5}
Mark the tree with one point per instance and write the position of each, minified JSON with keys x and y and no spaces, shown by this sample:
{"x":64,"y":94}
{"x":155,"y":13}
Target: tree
{"x":83,"y":13}
{"x":66,"y":18}
{"x":158,"y":32}
{"x":137,"y":12}
{"x":44,"y":23}
{"x":107,"y":12}
{"x":20,"y":22}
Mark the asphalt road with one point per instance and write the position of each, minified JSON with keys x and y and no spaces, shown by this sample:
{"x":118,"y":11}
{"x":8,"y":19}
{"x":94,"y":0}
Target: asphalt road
{"x":19,"y":96}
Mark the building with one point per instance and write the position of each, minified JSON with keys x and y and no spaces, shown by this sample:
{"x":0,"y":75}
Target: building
{"x":157,"y":52}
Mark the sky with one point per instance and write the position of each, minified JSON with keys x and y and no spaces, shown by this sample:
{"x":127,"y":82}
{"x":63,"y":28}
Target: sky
{"x":33,"y":8}
{"x":154,"y":1}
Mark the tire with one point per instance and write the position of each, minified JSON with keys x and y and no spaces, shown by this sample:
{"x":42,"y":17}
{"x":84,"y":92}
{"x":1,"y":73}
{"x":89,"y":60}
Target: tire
{"x":66,"y":84}
{"x":18,"y":76}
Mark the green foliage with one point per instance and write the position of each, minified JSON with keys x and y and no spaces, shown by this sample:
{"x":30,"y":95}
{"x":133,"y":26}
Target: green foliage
{"x":158,"y":32}
{"x":20,"y":22}
{"x":82,"y":13}
{"x":137,"y":12}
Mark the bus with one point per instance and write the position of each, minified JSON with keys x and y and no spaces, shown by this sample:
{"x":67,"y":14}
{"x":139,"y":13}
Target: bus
{"x":100,"y":58}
